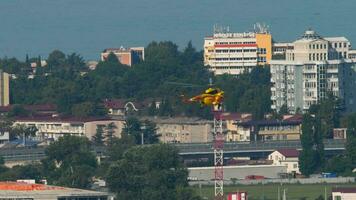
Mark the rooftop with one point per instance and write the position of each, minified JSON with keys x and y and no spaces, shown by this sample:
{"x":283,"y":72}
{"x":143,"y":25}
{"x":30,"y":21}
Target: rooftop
{"x":289,"y":152}
{"x":270,"y":122}
{"x":40,"y":191}
{"x":69,"y":119}
{"x":336,"y":39}
{"x":344,"y":190}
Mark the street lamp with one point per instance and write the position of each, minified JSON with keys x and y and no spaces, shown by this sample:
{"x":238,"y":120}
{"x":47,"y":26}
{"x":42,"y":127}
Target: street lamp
{"x":143,"y":128}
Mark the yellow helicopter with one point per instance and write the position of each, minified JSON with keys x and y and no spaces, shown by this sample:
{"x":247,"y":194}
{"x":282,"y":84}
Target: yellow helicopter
{"x":210,"y":97}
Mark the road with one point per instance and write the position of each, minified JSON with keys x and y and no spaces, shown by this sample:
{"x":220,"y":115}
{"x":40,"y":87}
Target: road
{"x":195,"y":149}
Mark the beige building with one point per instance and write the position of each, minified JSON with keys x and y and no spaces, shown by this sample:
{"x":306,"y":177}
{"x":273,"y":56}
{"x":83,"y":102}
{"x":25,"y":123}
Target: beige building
{"x":55,"y":127}
{"x":183,"y":130}
{"x":286,"y":157}
{"x":233,"y":132}
{"x":266,"y":130}
{"x":4,"y":89}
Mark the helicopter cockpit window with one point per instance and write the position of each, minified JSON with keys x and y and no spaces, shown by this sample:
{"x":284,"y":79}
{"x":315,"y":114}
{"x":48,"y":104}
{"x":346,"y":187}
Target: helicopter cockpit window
{"x":212,"y":91}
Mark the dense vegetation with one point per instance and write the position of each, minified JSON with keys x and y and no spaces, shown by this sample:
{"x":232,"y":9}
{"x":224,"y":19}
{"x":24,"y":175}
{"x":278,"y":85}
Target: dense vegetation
{"x":131,"y":171}
{"x":318,"y":124}
{"x":76,"y":90}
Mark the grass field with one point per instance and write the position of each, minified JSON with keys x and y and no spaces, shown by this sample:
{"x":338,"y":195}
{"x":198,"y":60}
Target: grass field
{"x":270,"y":191}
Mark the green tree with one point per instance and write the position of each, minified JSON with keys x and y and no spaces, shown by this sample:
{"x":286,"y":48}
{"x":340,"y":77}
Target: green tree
{"x":18,"y":111}
{"x":70,"y":162}
{"x":29,"y":171}
{"x":133,"y":128}
{"x":56,"y":59}
{"x":328,"y":113}
{"x":150,"y":135}
{"x":88,"y":109}
{"x":23,"y":131}
{"x":110,"y":133}
{"x":351,"y":147}
{"x":98,"y":138}
{"x":307,"y":163}
{"x":149,"y":172}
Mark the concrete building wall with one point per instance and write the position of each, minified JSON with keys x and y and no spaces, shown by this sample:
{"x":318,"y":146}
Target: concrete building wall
{"x":4,"y":137}
{"x":90,"y":127}
{"x":264,"y":41}
{"x":237,"y":172}
{"x":4,"y":89}
{"x":50,"y":129}
{"x":185,"y":132}
{"x":343,"y":196}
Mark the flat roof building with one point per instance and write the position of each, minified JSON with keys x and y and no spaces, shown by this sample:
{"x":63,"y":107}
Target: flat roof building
{"x":126,"y":56}
{"x":27,"y":191}
{"x":236,"y":53}
{"x":54,"y":126}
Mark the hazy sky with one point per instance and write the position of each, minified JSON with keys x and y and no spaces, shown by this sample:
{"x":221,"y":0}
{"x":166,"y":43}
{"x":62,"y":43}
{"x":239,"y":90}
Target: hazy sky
{"x":87,"y":27}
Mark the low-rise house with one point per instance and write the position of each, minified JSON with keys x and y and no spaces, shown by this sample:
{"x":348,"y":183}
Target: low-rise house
{"x":286,"y":157}
{"x":55,"y":126}
{"x":120,"y":107}
{"x":343,"y":193}
{"x":183,"y":130}
{"x":4,"y":137}
{"x":339,"y":133}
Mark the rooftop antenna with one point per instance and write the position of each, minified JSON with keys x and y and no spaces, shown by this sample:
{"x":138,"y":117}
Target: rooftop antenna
{"x":261,"y":28}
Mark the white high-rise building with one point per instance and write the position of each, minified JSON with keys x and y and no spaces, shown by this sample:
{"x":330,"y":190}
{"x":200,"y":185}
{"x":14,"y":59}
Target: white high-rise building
{"x":312,"y":68}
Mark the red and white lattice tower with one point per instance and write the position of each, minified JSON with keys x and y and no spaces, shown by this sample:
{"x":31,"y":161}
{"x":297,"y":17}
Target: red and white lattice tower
{"x":218,"y":155}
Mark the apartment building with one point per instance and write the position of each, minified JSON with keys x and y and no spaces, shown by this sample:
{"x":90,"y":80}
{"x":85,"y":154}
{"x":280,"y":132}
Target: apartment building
{"x":236,"y":53}
{"x":126,"y":56}
{"x":4,"y":89}
{"x":312,"y":68}
{"x":54,"y":127}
